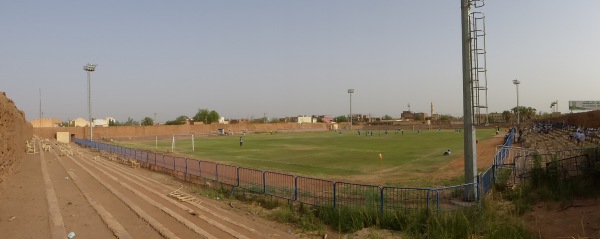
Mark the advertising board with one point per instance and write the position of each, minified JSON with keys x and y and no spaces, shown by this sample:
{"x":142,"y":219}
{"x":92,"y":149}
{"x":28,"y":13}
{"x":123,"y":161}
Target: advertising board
{"x":584,"y":105}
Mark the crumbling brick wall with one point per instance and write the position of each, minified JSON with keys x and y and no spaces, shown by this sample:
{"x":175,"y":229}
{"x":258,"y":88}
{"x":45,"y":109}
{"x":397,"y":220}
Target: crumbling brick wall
{"x":14,"y":131}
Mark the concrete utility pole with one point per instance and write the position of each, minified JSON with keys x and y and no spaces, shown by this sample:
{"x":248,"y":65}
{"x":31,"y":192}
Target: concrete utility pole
{"x":470,"y":134}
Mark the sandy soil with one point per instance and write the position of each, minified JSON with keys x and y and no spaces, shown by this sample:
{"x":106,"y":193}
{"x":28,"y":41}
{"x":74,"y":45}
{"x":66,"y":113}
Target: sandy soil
{"x":578,"y":219}
{"x":97,"y":198}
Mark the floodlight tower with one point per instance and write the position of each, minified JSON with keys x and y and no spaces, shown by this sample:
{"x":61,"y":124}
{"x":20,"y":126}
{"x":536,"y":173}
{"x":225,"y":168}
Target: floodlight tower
{"x":350,"y":91}
{"x":517,"y":82}
{"x":40,"y":108}
{"x":89,"y":68}
{"x":470,"y":151}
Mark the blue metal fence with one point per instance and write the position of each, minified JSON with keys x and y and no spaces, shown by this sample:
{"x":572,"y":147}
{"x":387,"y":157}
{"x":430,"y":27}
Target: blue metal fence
{"x":314,"y":191}
{"x":398,"y":198}
{"x":311,"y":191}
{"x":251,"y":179}
{"x":280,"y":185}
{"x":488,"y":177}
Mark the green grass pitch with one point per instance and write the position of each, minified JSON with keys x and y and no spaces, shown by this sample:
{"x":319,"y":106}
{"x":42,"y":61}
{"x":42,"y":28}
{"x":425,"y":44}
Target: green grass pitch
{"x":407,"y":158}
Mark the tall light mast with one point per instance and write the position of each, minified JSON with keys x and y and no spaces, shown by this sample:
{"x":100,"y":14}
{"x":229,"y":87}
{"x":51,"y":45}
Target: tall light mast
{"x":89,"y":68}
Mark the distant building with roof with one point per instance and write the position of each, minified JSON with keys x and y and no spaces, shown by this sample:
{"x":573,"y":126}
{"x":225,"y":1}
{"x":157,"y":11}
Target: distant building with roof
{"x":45,"y":122}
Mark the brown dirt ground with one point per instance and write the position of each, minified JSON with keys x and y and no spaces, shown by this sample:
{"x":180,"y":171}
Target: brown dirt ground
{"x":577,"y":219}
{"x":454,"y":168}
{"x":24,"y":210}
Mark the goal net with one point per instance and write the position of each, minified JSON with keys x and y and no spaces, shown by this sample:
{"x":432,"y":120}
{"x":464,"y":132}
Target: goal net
{"x":182,"y":142}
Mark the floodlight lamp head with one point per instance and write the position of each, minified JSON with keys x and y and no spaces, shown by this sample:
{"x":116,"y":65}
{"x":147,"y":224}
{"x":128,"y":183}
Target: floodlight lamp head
{"x":350,"y":91}
{"x":89,"y":67}
{"x":516,"y":82}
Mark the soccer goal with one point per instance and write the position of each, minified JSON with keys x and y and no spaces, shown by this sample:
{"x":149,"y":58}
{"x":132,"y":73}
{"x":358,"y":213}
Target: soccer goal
{"x":182,"y":142}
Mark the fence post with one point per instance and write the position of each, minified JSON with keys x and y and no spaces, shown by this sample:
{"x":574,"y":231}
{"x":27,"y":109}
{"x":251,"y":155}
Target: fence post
{"x":428,"y":198}
{"x":479,"y":185}
{"x":199,"y":169}
{"x":437,"y":200}
{"x":237,"y":169}
{"x":335,"y":195}
{"x":264,"y":182}
{"x":186,"y":171}
{"x":493,"y":176}
{"x":237,"y":176}
{"x":217,"y":171}
{"x":381,"y":200}
{"x":295,"y":188}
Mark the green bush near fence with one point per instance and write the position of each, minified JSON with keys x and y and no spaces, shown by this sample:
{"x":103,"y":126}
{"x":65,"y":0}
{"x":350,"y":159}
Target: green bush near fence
{"x":474,"y":222}
{"x":549,"y":182}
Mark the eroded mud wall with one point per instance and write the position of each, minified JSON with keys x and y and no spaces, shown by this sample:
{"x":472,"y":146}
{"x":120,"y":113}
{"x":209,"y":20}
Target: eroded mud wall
{"x":14,"y":131}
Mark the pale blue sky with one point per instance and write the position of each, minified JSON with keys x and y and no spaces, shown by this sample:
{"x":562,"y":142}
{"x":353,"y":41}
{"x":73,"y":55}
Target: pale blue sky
{"x":286,"y":58}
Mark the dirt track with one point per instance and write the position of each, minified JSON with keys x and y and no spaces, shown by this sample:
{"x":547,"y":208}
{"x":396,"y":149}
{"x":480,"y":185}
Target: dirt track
{"x":96,"y":198}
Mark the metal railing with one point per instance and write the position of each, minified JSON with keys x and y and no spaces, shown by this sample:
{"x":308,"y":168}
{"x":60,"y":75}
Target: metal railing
{"x":488,"y":178}
{"x":311,"y":191}
{"x":522,"y":162}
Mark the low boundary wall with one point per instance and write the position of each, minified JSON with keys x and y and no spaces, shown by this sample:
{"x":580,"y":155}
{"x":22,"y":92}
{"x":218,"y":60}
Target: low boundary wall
{"x":124,"y":132}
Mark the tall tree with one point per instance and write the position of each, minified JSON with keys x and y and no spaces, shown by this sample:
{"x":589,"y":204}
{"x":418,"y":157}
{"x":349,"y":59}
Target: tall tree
{"x":206,"y":116}
{"x":525,"y":113}
{"x":147,"y":121}
{"x":201,"y":116}
{"x":213,"y":117}
{"x":130,"y":122}
{"x":506,"y":115}
{"x":446,"y":117}
{"x":178,"y":121}
{"x":341,"y":118}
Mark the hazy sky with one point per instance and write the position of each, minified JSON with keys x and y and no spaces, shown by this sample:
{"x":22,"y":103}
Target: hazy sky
{"x":287,"y":58}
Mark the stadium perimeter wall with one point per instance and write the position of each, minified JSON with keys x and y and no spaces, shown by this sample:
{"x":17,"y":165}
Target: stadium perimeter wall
{"x":14,"y":131}
{"x":166,"y":130}
{"x":590,"y":119}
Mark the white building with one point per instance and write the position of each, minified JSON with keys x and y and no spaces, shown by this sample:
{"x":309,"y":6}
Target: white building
{"x":80,"y":122}
{"x":223,"y":121}
{"x":306,"y":119}
{"x":102,"y":122}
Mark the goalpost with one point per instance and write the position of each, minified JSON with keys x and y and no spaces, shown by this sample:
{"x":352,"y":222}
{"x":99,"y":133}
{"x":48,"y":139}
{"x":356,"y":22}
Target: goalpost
{"x":181,"y":137}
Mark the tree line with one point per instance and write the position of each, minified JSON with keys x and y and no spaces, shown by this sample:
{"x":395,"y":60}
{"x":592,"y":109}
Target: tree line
{"x":203,"y":115}
{"x":207,"y":116}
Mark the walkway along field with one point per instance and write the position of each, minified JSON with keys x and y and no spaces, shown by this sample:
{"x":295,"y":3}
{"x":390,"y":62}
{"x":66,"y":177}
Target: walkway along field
{"x":52,"y":195}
